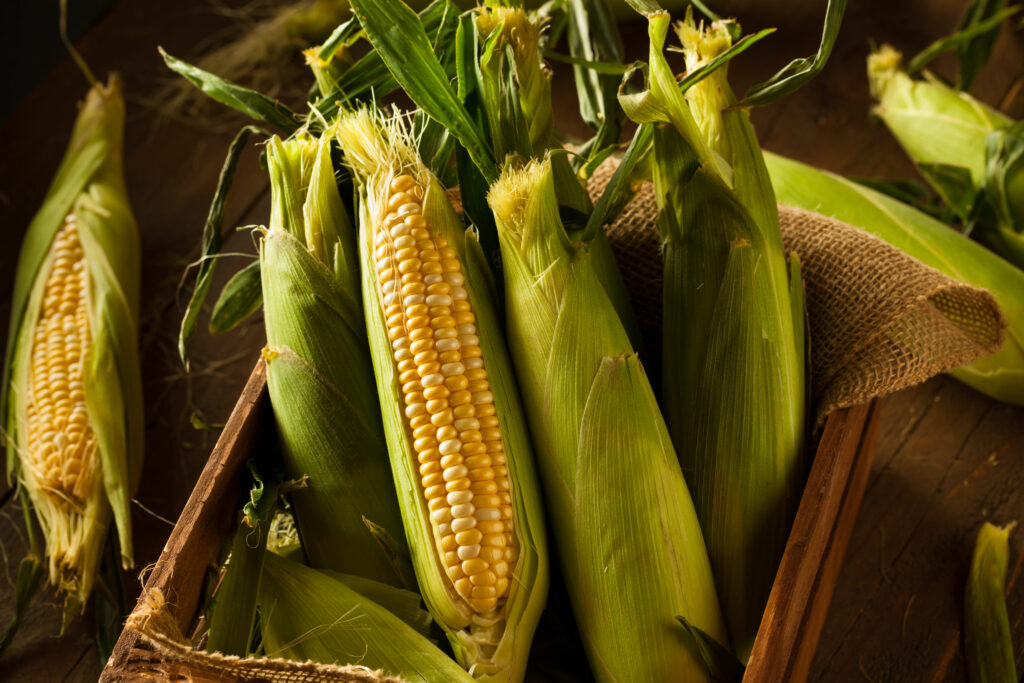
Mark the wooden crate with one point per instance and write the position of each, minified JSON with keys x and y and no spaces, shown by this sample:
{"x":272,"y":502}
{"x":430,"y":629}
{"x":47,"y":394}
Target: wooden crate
{"x":789,"y":629}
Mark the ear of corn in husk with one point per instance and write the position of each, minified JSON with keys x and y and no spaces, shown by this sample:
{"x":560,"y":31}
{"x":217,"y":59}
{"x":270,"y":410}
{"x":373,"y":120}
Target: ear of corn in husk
{"x":319,"y":373}
{"x":458,"y":443}
{"x":939,"y":126}
{"x":306,"y":614}
{"x":511,"y":47}
{"x":628,"y":536}
{"x":1000,"y":375}
{"x":72,"y":394}
{"x":987,"y":639}
{"x":733,"y":362}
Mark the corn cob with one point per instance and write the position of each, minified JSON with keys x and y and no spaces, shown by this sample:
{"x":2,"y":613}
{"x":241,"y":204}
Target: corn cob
{"x":733,"y":358}
{"x":72,"y":398}
{"x":319,"y":373}
{"x":629,"y":540}
{"x":1000,"y":375}
{"x":459,"y":451}
{"x":938,"y":125}
{"x":987,"y":640}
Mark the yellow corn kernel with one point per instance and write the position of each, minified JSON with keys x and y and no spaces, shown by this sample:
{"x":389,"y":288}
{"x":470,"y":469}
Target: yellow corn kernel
{"x":447,"y":380}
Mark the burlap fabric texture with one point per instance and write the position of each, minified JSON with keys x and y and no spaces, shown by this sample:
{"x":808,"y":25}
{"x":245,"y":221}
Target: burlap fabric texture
{"x":879,"y":320}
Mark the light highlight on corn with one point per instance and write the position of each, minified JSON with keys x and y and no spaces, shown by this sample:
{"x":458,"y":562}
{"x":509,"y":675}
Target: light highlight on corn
{"x":447,"y":398}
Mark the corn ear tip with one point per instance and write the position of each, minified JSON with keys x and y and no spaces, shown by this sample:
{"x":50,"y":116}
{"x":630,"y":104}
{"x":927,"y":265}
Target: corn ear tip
{"x":883,"y":63}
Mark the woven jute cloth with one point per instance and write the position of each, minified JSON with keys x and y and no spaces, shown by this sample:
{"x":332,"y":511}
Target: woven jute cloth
{"x":165,"y":655}
{"x":879,"y":321}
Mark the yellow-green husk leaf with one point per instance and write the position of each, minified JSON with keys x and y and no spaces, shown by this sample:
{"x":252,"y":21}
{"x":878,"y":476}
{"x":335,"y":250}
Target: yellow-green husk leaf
{"x":319,"y":373}
{"x":627,"y":533}
{"x":89,"y":193}
{"x":1000,"y":375}
{"x":987,"y":634}
{"x":733,"y":360}
{"x":310,"y":615}
{"x":495,"y":647}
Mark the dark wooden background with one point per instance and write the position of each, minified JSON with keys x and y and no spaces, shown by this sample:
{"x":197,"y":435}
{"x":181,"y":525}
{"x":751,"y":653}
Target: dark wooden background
{"x":948,"y":458}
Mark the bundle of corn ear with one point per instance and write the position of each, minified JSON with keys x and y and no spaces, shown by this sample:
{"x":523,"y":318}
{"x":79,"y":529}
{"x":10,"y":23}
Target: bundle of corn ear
{"x":459,"y":449}
{"x":629,"y":541}
{"x":987,"y":634}
{"x":319,"y":373}
{"x":733,"y":364}
{"x":72,"y":392}
{"x":334,"y":619}
{"x":969,"y":152}
{"x":931,"y":242}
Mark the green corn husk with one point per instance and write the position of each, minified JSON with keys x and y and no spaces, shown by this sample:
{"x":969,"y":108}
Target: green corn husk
{"x":520,"y":35}
{"x":88,"y":191}
{"x":628,"y":536}
{"x":312,"y":615}
{"x":733,"y":363}
{"x":943,"y":130}
{"x":319,"y":373}
{"x":493,"y":649}
{"x":987,"y":639}
{"x":1000,"y":375}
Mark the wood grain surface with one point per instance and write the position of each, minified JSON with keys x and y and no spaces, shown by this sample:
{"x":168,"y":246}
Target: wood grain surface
{"x":947,"y":457}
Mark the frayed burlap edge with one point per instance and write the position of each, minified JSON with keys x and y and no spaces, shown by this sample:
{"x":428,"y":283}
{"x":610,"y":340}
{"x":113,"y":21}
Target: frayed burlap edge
{"x":880,"y":321}
{"x":167,"y":656}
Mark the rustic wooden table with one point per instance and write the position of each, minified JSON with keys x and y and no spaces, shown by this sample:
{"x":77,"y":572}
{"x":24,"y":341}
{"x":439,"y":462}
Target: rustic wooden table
{"x":948,"y":458}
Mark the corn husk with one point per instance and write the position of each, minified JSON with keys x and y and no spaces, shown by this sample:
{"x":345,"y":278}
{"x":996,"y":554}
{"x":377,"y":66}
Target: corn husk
{"x":733,"y":358}
{"x":942,"y":128}
{"x":493,"y":647}
{"x":312,"y":615}
{"x":1000,"y":375}
{"x":319,"y":374}
{"x":987,"y":639}
{"x":628,"y":537}
{"x":89,"y":190}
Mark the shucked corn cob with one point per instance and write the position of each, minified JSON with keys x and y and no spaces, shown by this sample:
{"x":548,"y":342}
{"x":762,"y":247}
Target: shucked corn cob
{"x":459,"y":451}
{"x":628,"y":536}
{"x":72,"y":396}
{"x":319,"y":373}
{"x":733,"y":362}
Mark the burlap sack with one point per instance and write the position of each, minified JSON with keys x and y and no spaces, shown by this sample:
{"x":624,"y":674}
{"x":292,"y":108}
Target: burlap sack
{"x":879,"y":321}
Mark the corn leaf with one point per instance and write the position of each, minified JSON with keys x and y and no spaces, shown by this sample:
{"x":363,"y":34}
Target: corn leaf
{"x":973,"y":41}
{"x":249,"y":102}
{"x":953,"y":185}
{"x":1004,"y":188}
{"x":721,"y":663}
{"x":239,"y":299}
{"x":309,"y":615}
{"x":398,"y":36}
{"x":792,"y":76}
{"x":987,"y":635}
{"x":213,"y":239}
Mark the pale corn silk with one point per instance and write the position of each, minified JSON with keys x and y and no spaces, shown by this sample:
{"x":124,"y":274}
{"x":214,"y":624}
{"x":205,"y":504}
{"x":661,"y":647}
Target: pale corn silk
{"x":879,"y":321}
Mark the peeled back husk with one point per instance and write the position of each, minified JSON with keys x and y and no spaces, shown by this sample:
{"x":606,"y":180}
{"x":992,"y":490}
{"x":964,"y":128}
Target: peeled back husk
{"x":87,"y":202}
{"x":490,"y":634}
{"x":628,"y":537}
